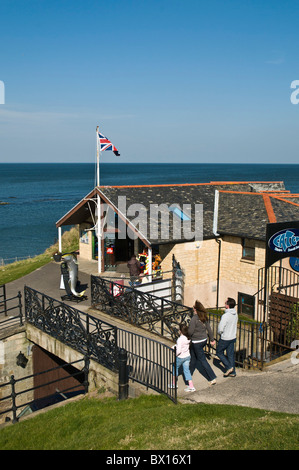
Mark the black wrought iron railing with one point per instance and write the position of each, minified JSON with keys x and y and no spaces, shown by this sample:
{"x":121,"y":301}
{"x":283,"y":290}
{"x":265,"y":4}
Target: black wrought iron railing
{"x":163,"y":317}
{"x":149,"y":362}
{"x":82,"y":332}
{"x":155,"y":314}
{"x":250,"y":347}
{"x":274,"y":279}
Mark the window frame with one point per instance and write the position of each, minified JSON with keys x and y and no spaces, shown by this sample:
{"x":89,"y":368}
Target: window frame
{"x":243,"y":295}
{"x":248,"y":250}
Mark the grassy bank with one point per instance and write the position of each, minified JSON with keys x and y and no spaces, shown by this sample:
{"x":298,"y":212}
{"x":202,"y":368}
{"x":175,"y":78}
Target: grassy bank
{"x":13,"y":271}
{"x":152,"y":423}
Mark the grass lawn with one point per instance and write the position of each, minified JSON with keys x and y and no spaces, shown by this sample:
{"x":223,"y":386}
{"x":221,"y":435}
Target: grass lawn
{"x":152,"y":423}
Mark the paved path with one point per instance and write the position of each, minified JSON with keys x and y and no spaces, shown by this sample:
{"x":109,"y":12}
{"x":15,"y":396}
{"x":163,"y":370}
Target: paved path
{"x":47,"y":280}
{"x":275,"y":388}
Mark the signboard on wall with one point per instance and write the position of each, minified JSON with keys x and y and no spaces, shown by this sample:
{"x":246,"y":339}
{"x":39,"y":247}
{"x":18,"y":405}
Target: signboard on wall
{"x":294,"y":263}
{"x":282,"y":241}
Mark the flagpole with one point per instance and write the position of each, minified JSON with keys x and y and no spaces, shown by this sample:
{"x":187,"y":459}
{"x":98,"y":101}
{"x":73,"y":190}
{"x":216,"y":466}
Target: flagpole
{"x":99,"y":235}
{"x":98,"y":157}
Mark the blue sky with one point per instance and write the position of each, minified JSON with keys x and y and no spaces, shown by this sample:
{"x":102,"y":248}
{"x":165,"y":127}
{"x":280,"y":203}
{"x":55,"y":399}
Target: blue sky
{"x":167,"y":81}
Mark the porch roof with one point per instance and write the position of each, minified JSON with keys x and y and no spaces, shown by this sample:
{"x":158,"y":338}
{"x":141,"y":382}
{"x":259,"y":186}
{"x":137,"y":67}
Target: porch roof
{"x":244,"y":207}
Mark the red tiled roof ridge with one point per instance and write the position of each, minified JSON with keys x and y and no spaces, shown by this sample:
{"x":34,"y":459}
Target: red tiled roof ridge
{"x":154,"y":185}
{"x":269,"y":208}
{"x":243,"y":182}
{"x":211,"y":183}
{"x":295,"y":195}
{"x":276,"y":195}
{"x":267,"y":200}
{"x":257,"y":193}
{"x":285,"y":200}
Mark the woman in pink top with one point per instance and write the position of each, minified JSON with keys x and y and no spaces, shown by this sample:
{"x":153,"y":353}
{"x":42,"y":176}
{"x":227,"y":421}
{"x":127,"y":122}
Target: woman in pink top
{"x":183,"y":358}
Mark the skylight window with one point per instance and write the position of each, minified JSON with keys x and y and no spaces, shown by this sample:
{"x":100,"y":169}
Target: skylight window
{"x":179,"y":213}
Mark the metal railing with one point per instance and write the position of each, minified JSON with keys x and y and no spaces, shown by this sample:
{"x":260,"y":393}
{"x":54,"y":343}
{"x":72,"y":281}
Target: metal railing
{"x":155,"y":314}
{"x":9,"y":305}
{"x":250,"y":350}
{"x":9,"y":402}
{"x":82,"y":332}
{"x":274,"y":279}
{"x":163,"y":317}
{"x":170,"y":285}
{"x":149,"y":362}
{"x":278,"y":309}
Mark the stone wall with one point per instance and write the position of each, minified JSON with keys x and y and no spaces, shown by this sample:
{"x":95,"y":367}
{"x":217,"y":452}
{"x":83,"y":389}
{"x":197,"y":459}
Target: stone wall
{"x":200,"y":265}
{"x":12,"y":343}
{"x":85,"y":242}
{"x":21,"y":340}
{"x":98,"y":375}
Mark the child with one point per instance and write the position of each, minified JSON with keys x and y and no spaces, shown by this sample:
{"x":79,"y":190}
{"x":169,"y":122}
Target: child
{"x":183,"y":358}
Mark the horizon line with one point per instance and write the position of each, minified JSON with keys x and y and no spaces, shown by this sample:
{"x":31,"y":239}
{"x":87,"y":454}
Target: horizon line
{"x":144,"y":163}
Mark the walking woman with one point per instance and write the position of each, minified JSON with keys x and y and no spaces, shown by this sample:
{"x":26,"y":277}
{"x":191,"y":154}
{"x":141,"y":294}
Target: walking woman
{"x":199,"y":330}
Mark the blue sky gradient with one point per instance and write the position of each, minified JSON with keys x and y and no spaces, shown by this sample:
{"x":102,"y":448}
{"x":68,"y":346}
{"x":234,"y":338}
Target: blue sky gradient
{"x":166,"y":81}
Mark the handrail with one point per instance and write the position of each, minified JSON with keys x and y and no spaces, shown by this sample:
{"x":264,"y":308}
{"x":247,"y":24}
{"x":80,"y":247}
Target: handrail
{"x":102,"y":341}
{"x":150,"y":312}
{"x":14,"y":393}
{"x":12,"y":320}
{"x":79,"y":330}
{"x":139,"y":308}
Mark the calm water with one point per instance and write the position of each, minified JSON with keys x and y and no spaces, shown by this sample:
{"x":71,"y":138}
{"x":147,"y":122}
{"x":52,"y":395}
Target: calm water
{"x":40,"y":194}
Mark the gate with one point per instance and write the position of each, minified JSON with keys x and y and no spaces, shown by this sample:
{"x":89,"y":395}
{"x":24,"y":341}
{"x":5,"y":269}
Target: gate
{"x":279,"y":311}
{"x":283,"y":322}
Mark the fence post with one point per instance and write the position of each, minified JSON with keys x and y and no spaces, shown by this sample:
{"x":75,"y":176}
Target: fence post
{"x":86,"y":371}
{"x":123,"y":383}
{"x":20,"y":308}
{"x":13,"y":397}
{"x":4,"y":302}
{"x":174,"y":372}
{"x":162,"y":316}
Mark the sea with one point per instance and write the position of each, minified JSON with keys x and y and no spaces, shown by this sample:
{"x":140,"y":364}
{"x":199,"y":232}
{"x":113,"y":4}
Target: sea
{"x":39,"y":194}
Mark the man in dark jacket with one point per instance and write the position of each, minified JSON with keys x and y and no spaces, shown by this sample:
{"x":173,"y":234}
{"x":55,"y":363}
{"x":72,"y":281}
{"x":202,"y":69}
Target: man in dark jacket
{"x":134,"y":268}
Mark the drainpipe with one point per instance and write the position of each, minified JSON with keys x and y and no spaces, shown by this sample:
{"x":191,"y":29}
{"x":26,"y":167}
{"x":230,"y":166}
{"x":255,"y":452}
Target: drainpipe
{"x":215,"y":215}
{"x":218,"y":240}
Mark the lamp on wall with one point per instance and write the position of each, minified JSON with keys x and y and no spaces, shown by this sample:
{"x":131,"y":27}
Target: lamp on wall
{"x":21,"y":360}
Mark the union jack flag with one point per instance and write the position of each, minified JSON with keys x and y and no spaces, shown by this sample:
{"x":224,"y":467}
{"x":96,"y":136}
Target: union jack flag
{"x":105,"y":144}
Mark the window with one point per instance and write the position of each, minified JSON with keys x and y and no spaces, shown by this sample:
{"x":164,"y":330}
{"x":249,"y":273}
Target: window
{"x":246,"y":304}
{"x":179,"y":213}
{"x":248,"y":249}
